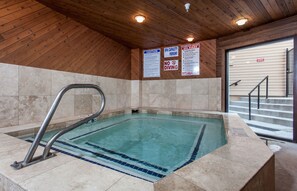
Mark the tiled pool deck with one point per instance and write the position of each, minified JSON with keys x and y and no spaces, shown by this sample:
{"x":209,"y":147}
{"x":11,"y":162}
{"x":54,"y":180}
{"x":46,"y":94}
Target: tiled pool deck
{"x":244,"y":163}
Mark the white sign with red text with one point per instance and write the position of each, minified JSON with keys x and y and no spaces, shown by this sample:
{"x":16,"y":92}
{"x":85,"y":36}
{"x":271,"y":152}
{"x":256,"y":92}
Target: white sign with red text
{"x":190,"y":59}
{"x":170,"y":65}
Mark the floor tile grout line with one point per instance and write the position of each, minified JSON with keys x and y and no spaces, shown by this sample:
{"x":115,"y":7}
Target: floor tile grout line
{"x":190,"y":181}
{"x":115,"y":182}
{"x":66,"y":162}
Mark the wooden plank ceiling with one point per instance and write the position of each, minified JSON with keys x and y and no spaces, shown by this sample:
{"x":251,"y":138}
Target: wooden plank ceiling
{"x":167,"y":21}
{"x":32,"y":34}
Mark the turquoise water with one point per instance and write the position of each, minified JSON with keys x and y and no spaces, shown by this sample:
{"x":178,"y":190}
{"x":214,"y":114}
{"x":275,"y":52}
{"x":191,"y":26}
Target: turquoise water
{"x":143,"y":145}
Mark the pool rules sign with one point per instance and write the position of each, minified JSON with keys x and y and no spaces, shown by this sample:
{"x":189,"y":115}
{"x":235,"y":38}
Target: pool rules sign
{"x":191,"y":59}
{"x":151,"y":63}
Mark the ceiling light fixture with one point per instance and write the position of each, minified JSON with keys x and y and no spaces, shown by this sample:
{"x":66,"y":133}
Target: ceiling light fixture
{"x":187,"y":6}
{"x":190,"y":39}
{"x":241,"y":22}
{"x":139,"y":18}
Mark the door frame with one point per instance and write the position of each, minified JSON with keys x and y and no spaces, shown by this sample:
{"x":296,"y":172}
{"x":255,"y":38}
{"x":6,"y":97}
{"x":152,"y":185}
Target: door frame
{"x":294,"y":81}
{"x":295,"y":92}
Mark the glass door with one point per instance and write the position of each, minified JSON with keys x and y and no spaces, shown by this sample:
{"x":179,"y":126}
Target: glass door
{"x":257,"y":70}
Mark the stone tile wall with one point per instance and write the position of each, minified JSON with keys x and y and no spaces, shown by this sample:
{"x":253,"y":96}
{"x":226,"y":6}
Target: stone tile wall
{"x":135,"y":94}
{"x":197,"y":94}
{"x":27,"y":93}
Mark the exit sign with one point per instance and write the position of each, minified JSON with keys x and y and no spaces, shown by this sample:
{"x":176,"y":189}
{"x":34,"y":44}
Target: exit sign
{"x":260,"y":59}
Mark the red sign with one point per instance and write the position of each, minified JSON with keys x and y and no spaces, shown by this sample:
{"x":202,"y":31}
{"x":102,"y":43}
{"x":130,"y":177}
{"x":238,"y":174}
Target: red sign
{"x":170,"y":65}
{"x":260,"y":60}
{"x":190,"y":46}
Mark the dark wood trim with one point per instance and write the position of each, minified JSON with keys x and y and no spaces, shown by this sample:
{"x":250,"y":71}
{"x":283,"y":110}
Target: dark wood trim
{"x":226,"y":82}
{"x":295,"y":92}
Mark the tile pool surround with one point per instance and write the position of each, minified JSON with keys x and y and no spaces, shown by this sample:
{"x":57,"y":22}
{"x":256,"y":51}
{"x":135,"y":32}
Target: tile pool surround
{"x":231,"y":167}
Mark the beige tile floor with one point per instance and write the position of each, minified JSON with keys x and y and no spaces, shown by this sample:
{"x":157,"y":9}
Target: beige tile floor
{"x":285,"y":166}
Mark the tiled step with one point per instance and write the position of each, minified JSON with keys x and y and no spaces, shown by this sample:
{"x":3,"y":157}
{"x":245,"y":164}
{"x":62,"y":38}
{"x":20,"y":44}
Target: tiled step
{"x":269,"y":112}
{"x":267,"y":119}
{"x":271,"y":130}
{"x":268,"y":126}
{"x":276,"y":100}
{"x":273,"y":134}
{"x":273,"y":106}
{"x":274,"y":118}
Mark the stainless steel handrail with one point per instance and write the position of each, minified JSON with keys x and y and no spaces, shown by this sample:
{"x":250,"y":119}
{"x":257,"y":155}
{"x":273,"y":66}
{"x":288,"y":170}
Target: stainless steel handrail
{"x":46,"y":154}
{"x":258,"y":100}
{"x":235,"y":83}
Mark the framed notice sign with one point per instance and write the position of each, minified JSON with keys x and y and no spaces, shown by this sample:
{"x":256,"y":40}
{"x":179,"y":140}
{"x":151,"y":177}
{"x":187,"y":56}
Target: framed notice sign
{"x":151,"y":63}
{"x":190,"y":59}
{"x":171,"y":51}
{"x":170,"y":65}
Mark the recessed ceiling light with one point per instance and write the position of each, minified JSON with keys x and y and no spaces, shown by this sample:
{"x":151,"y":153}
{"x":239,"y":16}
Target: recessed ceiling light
{"x":190,"y":39}
{"x":187,"y":6}
{"x":241,"y":22}
{"x":139,"y":18}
